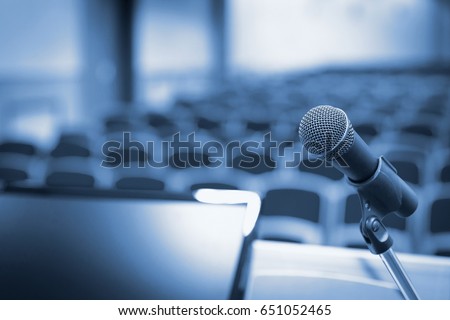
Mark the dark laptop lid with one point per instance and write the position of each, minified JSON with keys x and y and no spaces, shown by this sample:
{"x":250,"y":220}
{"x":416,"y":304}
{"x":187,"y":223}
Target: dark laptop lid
{"x":116,"y":245}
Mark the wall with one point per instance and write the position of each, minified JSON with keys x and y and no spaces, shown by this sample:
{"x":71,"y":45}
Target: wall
{"x":269,"y":35}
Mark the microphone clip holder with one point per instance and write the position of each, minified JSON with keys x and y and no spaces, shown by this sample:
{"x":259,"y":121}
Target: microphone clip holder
{"x":380,"y":195}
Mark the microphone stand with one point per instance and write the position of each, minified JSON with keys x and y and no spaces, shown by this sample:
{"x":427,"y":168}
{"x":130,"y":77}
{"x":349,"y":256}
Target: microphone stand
{"x":380,"y":242}
{"x":378,"y":199}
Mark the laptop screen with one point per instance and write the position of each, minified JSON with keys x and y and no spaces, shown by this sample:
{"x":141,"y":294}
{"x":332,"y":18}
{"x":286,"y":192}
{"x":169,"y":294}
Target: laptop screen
{"x":75,"y":246}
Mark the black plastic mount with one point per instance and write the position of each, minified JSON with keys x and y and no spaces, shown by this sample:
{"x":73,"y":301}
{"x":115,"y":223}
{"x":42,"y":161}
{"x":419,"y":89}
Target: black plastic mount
{"x":375,"y":234}
{"x":385,"y":192}
{"x":382,"y":194}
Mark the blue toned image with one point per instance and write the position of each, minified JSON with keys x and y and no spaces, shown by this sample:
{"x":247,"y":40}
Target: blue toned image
{"x":224,"y":149}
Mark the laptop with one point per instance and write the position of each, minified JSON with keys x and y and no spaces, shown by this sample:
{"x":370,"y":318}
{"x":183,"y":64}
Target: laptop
{"x":110,"y":244}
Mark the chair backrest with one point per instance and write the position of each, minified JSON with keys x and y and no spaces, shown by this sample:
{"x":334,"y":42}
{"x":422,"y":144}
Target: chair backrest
{"x":349,"y":235}
{"x":296,"y":203}
{"x":367,"y":131}
{"x":395,"y":222}
{"x":159,"y":120}
{"x":163,"y":125}
{"x":419,"y":129}
{"x":291,"y":215}
{"x":139,"y":183}
{"x":254,"y":163}
{"x":70,"y":179}
{"x":440,"y":216}
{"x":117,"y":124}
{"x":18,"y":147}
{"x":189,"y":159}
{"x":213,"y":185}
{"x":207,"y":124}
{"x":410,"y":163}
{"x":72,"y":145}
{"x":126,"y":157}
{"x":320,"y":168}
{"x":434,"y":226}
{"x":353,"y":211}
{"x":14,"y":167}
{"x":407,"y":170}
{"x":445,"y":173}
{"x":70,"y":150}
{"x":12,"y":174}
{"x":353,"y":214}
{"x":263,"y":126}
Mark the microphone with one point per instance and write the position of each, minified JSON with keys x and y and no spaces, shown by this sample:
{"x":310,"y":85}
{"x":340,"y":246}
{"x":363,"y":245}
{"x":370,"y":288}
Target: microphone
{"x":326,"y":132}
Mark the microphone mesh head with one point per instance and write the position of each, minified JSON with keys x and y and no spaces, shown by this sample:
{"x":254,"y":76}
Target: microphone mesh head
{"x":326,"y":131}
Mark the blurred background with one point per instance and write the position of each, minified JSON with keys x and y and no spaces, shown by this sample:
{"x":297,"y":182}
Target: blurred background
{"x":77,"y":73}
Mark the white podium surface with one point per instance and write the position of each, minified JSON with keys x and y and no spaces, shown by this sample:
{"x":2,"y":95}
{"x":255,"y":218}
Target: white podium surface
{"x":286,"y":271}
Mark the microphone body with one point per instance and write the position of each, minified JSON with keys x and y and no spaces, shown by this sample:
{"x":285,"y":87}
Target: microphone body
{"x":358,"y":163}
{"x":325,"y":131}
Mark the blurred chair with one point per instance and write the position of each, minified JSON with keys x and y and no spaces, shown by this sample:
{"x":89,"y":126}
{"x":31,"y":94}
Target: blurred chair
{"x":125,"y":157}
{"x":9,"y":175}
{"x":401,"y":232}
{"x":13,"y":167}
{"x":420,"y":129}
{"x":212,"y":185}
{"x":443,"y":167}
{"x":259,"y":126}
{"x":134,"y":155}
{"x":184,"y":103}
{"x":70,"y":179}
{"x":139,"y":183}
{"x":208,"y":124}
{"x":411,"y":163}
{"x":408,"y":171}
{"x":191,"y":179}
{"x":348,"y":233}
{"x":70,"y":172}
{"x":189,"y":166}
{"x":320,"y":168}
{"x":71,"y":145}
{"x":290,"y":215}
{"x":284,"y":132}
{"x":18,"y":147}
{"x":16,"y":160}
{"x":435,"y":105}
{"x":368,"y":130}
{"x":413,"y":140}
{"x":445,"y":173}
{"x":209,"y":127}
{"x":405,"y":131}
{"x":435,"y":234}
{"x":131,"y":169}
{"x":254,"y":163}
{"x":233,"y":128}
{"x":162,"y":124}
{"x":422,"y":133}
{"x":118,"y":123}
{"x":432,"y":110}
{"x":188,"y":159}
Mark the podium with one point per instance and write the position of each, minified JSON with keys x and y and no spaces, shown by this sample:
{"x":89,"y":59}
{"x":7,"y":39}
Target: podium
{"x":279,"y":270}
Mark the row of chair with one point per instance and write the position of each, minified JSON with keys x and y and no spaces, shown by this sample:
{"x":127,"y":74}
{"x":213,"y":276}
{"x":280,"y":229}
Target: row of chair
{"x":403,"y":116}
{"x":297,"y":205}
{"x":414,"y":165}
{"x":307,"y":216}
